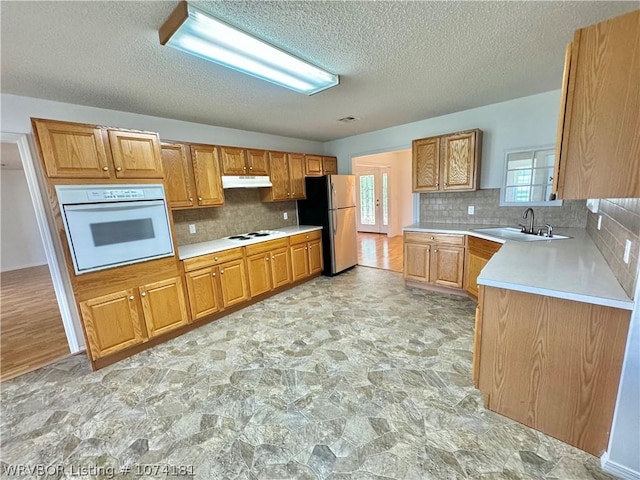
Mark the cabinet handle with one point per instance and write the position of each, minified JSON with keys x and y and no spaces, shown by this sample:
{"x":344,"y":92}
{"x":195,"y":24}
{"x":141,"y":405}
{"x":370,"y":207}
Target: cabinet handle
{"x":436,"y":250}
{"x":305,"y":248}
{"x":307,"y":236}
{"x":213,"y":274}
{"x":200,"y":198}
{"x":191,"y":199}
{"x":143,"y":294}
{"x":446,"y":184}
{"x":273,"y":258}
{"x":131,"y":297}
{"x":432,"y":238}
{"x":244,"y":168}
{"x":221,"y":272}
{"x":105,"y":168}
{"x":288,"y":194}
{"x":250,"y":168}
{"x":215,"y":259}
{"x":118,"y":169}
{"x":267,"y":259}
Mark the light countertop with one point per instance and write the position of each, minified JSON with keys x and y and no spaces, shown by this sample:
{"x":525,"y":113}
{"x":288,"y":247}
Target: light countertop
{"x":573,"y":269}
{"x":202,"y":248}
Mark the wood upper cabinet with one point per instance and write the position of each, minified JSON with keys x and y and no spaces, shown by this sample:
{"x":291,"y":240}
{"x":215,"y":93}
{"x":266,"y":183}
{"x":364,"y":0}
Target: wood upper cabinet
{"x":257,"y":162}
{"x":287,"y":176}
{"x":479,"y":252}
{"x":178,"y":175}
{"x":434,"y":258}
{"x":313,"y":164}
{"x":598,"y":145}
{"x":164,"y":306}
{"x":447,"y":162}
{"x":233,"y":280}
{"x":75,"y":150}
{"x":240,"y":161}
{"x":136,"y":154}
{"x":206,"y":171}
{"x":203,"y":289}
{"x":330,"y":165}
{"x":72,"y":150}
{"x":316,"y":165}
{"x":112,"y":323}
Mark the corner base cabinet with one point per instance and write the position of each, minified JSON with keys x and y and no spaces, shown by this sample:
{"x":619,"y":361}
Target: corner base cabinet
{"x":551,"y":364}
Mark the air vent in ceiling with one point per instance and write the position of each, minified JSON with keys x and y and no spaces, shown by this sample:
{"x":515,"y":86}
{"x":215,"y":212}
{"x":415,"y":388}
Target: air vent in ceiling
{"x":349,"y":119}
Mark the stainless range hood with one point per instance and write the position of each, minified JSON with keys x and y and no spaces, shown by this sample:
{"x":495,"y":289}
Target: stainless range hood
{"x":233,"y":181}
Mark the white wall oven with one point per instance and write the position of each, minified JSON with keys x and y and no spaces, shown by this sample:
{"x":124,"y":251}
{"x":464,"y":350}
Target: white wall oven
{"x":112,"y":225}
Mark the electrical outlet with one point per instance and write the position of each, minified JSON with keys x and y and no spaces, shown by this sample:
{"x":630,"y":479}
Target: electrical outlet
{"x":627,"y":251}
{"x":286,"y":215}
{"x":599,"y":222}
{"x":471,"y":210}
{"x":192,"y":228}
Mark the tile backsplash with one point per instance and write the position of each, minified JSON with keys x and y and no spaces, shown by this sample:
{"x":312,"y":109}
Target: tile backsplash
{"x":242,"y":212}
{"x":620,"y":221}
{"x":452,"y":208}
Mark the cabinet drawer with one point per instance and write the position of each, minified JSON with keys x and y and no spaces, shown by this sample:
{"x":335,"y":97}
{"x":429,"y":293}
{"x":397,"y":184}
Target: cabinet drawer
{"x":266,"y":246}
{"x":210,"y":259}
{"x":305,"y":237}
{"x":441,"y":238}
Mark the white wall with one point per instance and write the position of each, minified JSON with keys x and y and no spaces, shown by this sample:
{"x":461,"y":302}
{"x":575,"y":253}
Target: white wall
{"x":17,"y":110}
{"x":20,"y":242}
{"x":400,"y":196}
{"x":524,"y":122}
{"x":623,"y":455}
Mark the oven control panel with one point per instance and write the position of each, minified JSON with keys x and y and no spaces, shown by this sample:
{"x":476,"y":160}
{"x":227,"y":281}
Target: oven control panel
{"x":120,"y":194}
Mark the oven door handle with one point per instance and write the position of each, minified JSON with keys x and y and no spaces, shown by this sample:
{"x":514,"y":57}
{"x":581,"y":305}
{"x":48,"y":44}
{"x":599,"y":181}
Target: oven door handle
{"x":113,"y":207}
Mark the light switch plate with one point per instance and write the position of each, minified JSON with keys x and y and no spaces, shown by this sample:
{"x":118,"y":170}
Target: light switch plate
{"x":471,"y":210}
{"x":627,"y":251}
{"x":192,"y":228}
{"x":285,"y":215}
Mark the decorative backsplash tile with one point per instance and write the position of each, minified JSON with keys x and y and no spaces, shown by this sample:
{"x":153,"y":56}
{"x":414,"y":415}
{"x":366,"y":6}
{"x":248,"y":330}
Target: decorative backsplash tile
{"x":452,"y":208}
{"x":620,"y":221}
{"x":242,"y":212}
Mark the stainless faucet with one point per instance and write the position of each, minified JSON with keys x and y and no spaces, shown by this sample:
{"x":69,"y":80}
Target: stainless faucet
{"x":525,"y":215}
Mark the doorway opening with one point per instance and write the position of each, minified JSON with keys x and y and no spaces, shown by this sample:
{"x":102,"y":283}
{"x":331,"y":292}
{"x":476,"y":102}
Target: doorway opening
{"x":36,"y":328}
{"x":384,"y":204}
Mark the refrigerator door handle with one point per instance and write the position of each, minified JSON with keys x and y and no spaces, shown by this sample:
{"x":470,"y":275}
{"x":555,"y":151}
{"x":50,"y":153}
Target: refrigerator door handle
{"x":333,"y":195}
{"x":335,"y":221}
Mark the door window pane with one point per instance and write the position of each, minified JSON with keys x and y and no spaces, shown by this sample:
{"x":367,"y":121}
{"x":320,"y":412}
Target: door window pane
{"x":367,"y":200}
{"x":385,"y":200}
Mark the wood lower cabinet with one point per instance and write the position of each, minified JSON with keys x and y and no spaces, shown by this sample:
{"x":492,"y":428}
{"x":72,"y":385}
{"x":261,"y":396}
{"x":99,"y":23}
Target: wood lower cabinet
{"x":598,"y":146}
{"x":269,"y":266}
{"x":75,"y":150}
{"x":233,"y":283}
{"x":433,"y":258}
{"x":129,"y":317}
{"x":203,"y":288}
{"x":178,"y":172}
{"x":164,"y":306}
{"x":287,"y":173}
{"x":447,"y":162}
{"x":306,"y":254}
{"x":551,"y":364}
{"x":479,"y":252}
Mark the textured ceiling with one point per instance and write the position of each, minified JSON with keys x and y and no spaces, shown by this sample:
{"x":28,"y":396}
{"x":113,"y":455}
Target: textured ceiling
{"x":398,"y":61}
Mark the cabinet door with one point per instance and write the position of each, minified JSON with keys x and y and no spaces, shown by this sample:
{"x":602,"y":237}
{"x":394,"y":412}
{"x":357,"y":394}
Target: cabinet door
{"x":426,"y":164}
{"x":206,"y":171}
{"x":459,"y":161}
{"x":329,"y":165}
{"x":416,"y":262}
{"x":279,"y":174}
{"x":315,"y":257}
{"x":111,"y":323}
{"x":299,"y":261}
{"x":233,"y":281}
{"x":313,"y":164}
{"x":70,"y":150}
{"x":296,"y":175}
{"x":259,"y":269}
{"x":599,"y":147}
{"x":233,"y":162}
{"x":177,"y":175}
{"x":136,"y":154}
{"x":475,"y":264}
{"x":164,"y":306}
{"x":257,"y":162}
{"x":280,"y":267}
{"x":447,"y":266}
{"x":203,"y":292}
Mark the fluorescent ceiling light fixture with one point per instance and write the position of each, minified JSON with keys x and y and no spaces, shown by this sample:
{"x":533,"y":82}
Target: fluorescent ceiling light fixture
{"x":193,"y":31}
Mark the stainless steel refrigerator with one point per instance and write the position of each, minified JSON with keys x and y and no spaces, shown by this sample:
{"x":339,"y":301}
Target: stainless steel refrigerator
{"x":331,"y":203}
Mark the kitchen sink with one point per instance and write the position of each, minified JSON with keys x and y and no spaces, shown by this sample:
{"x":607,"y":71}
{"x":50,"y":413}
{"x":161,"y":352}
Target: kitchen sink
{"x":509,"y":233}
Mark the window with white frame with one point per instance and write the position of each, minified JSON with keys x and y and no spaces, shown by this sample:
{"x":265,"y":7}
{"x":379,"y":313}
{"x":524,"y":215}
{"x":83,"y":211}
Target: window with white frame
{"x":529,"y":177}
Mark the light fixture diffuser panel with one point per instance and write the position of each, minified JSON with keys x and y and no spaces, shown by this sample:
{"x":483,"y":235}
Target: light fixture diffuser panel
{"x":211,"y":39}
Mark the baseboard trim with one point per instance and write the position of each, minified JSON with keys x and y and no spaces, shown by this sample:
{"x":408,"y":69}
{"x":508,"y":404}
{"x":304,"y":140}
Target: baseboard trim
{"x":617,"y":469}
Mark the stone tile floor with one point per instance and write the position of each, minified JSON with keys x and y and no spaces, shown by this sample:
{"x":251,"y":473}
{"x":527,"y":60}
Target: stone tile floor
{"x":351,"y":377}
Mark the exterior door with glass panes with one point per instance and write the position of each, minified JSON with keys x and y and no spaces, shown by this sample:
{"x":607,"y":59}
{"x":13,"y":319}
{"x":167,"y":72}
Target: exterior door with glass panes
{"x":373,"y":199}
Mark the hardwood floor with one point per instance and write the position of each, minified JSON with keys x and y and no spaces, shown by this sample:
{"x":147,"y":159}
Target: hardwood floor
{"x":379,"y":251}
{"x":31,"y":331}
